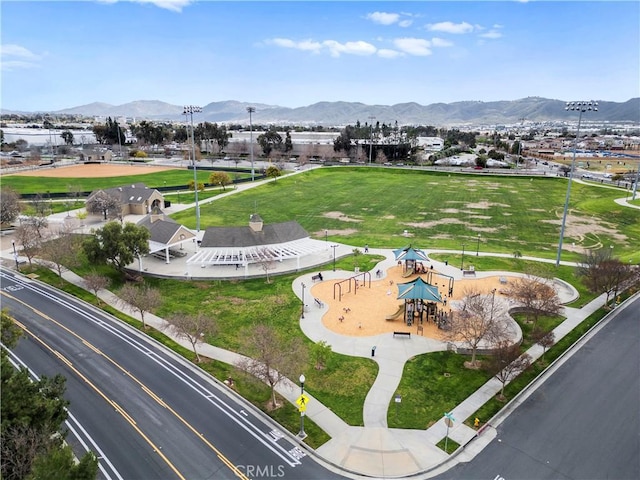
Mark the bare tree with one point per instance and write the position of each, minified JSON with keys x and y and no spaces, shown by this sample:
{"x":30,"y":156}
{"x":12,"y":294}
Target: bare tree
{"x":102,"y":203}
{"x":266,"y":262}
{"x":28,"y":238}
{"x":61,"y":249}
{"x":95,"y":282}
{"x":271,"y":357}
{"x":9,"y":205}
{"x":545,"y":339}
{"x":192,"y":328}
{"x":142,"y":299}
{"x":604,"y":274}
{"x":479,"y":318}
{"x":537,"y":296}
{"x":507,"y":362}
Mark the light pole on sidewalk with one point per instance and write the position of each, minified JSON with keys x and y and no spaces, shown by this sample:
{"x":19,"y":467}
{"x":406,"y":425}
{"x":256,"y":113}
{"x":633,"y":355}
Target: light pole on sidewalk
{"x":302,"y":434}
{"x":251,"y":110}
{"x":462,"y":264}
{"x":478,"y":246}
{"x":581,"y":107}
{"x":334,"y":256}
{"x":191,"y":109}
{"x":303,"y":287}
{"x":15,"y":254}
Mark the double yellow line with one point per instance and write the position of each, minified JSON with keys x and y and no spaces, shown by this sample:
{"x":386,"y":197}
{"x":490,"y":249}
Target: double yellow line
{"x":117,"y":407}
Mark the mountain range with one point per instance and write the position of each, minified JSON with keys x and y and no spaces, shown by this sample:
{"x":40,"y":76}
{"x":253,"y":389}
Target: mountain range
{"x":530,"y":109}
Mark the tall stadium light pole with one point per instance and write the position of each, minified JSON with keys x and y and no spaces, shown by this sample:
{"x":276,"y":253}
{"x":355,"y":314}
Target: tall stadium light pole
{"x":580,"y":107}
{"x":371,"y":119}
{"x":119,"y":140}
{"x":251,"y":110}
{"x":191,"y":109}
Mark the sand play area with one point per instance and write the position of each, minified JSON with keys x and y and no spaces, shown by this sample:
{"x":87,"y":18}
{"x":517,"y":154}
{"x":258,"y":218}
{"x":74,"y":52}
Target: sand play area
{"x":93,"y":170}
{"x":364,"y":310}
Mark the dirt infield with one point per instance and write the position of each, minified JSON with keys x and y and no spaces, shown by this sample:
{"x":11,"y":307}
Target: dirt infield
{"x":96,"y":170}
{"x":363,"y":310}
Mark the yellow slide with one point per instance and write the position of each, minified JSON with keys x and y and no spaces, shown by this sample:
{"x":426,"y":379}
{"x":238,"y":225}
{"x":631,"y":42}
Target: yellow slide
{"x":395,"y":315}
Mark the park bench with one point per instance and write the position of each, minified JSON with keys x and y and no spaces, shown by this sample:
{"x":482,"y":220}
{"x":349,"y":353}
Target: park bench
{"x":403,"y":334}
{"x":471,"y":271}
{"x":318,"y":303}
{"x":316,"y":277}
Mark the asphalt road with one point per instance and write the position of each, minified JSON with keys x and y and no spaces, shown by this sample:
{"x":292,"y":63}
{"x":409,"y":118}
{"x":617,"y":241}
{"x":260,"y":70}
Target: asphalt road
{"x":148,"y":413}
{"x":582,"y":423}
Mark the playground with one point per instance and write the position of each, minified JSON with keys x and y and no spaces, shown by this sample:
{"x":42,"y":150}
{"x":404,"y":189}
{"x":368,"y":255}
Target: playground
{"x":363,"y":308}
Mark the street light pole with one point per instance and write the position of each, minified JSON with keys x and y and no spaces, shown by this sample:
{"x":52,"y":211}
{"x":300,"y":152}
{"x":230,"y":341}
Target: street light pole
{"x":251,"y":110}
{"x":462,"y":264}
{"x":191,"y":109}
{"x":581,"y":107}
{"x":15,"y":254}
{"x":478,"y":246}
{"x":334,"y":256}
{"x":371,"y":138}
{"x":302,"y":434}
{"x":303,"y":287}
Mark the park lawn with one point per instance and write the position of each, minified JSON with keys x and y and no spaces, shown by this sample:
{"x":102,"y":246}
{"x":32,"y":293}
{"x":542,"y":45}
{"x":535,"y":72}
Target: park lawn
{"x":375,"y":206}
{"x":168,"y":178}
{"x":427,"y":392}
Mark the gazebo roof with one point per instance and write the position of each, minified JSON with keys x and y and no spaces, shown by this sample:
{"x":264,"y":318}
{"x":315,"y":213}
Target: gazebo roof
{"x":418,"y":289}
{"x":410,"y":253}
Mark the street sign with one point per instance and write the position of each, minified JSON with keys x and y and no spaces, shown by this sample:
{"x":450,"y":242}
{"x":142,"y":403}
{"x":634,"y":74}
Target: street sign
{"x":448,"y":419}
{"x":302,"y":402}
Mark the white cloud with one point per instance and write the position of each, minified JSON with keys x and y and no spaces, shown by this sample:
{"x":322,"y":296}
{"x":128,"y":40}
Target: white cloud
{"x":491,"y":34}
{"x":388,"y":53}
{"x":413,"y":46}
{"x":450,"y":27}
{"x":11,"y":50}
{"x":383,"y":18}
{"x":16,"y":57}
{"x":441,"y":42}
{"x":173,"y":5}
{"x":350,"y":48}
{"x":333,"y":47}
{"x":305,"y":45}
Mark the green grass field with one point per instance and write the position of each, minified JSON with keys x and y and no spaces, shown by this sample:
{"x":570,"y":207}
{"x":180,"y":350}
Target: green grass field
{"x":168,"y":178}
{"x":438,"y":210}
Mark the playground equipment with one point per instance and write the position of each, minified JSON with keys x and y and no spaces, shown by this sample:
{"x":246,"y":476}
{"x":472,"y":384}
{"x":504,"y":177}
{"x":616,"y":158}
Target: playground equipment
{"x":356,"y":279}
{"x":408,"y":273}
{"x":396,"y":314}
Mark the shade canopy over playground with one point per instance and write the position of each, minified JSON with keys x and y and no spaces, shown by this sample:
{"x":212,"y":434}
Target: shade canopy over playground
{"x":418,"y":289}
{"x":410,"y":253}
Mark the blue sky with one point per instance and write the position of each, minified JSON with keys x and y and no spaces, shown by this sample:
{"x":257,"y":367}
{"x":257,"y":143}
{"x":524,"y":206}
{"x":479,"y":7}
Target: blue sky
{"x":58,"y":55}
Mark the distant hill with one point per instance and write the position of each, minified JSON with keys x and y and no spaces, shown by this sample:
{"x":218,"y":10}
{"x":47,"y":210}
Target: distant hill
{"x":532,"y":109}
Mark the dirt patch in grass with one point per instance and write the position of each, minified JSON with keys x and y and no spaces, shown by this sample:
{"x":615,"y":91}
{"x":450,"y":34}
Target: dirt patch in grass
{"x":346,"y":231}
{"x":485,"y":205}
{"x":340,"y":216}
{"x":579,"y":227}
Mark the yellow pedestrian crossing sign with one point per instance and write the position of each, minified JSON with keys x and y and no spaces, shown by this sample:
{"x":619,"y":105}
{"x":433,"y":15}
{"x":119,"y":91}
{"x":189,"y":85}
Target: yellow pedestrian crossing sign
{"x":302,"y":402}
